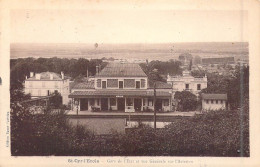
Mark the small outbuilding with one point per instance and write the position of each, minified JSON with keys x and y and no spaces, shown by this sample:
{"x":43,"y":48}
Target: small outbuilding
{"x":214,"y":101}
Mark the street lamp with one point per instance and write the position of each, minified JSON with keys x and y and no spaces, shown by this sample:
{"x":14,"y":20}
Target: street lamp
{"x":154,"y":71}
{"x":154,"y":99}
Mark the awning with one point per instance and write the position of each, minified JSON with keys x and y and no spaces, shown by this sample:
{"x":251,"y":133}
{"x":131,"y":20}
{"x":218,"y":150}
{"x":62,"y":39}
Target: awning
{"x":118,"y":93}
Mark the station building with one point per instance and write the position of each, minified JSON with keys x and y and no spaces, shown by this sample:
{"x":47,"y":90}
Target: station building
{"x":121,"y":87}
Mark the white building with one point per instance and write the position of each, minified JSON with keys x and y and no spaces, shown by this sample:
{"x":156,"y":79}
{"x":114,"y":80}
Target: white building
{"x":214,"y":101}
{"x":186,"y":82}
{"x":46,"y":83}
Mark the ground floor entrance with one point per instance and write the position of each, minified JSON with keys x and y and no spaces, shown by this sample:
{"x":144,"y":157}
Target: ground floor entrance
{"x":83,"y":104}
{"x":138,"y":104}
{"x":122,"y":104}
{"x":158,"y":105}
{"x":104,"y":104}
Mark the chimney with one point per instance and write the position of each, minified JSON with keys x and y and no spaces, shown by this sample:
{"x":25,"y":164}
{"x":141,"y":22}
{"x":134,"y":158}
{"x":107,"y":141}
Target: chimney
{"x":51,"y":76}
{"x":97,"y":69}
{"x":62,"y":75}
{"x":31,"y":74}
{"x":38,"y":76}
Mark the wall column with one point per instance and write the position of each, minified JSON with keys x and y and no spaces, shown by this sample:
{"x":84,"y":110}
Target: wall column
{"x":108,"y":103}
{"x":89,"y":107}
{"x":142,"y":104}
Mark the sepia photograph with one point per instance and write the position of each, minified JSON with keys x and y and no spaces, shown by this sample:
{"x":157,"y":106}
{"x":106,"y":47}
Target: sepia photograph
{"x":129,"y":81}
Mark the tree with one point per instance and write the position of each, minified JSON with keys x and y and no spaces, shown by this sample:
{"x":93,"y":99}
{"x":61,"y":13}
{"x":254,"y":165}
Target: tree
{"x":56,"y":100}
{"x":186,"y":101}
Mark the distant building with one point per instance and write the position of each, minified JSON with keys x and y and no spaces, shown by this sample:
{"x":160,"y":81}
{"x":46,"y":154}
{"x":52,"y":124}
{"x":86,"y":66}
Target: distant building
{"x":218,"y":60}
{"x":186,"y":60}
{"x":186,"y":82}
{"x":120,"y":87}
{"x":46,"y":83}
{"x":214,"y":101}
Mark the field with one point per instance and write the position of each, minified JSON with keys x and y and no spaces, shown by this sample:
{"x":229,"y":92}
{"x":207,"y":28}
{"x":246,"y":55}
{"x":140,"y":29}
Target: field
{"x":162,"y":52}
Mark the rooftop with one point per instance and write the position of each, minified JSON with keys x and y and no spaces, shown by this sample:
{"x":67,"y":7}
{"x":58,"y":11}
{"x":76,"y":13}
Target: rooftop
{"x":47,"y":76}
{"x":159,"y":85}
{"x":122,"y":70}
{"x":82,"y":85}
{"x":112,"y":93}
{"x":214,"y":96}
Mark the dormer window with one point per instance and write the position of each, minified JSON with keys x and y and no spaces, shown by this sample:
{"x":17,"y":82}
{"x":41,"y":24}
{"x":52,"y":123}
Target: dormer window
{"x":104,"y":84}
{"x":137,"y":84}
{"x":121,"y":84}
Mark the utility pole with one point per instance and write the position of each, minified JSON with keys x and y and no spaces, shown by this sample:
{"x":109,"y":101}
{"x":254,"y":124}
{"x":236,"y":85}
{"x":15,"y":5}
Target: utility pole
{"x":154,"y":100}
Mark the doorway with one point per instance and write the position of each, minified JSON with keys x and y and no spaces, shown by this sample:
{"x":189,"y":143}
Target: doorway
{"x":158,"y":105}
{"x":104,"y":104}
{"x":83,"y":104}
{"x":121,"y":104}
{"x":137,"y":104}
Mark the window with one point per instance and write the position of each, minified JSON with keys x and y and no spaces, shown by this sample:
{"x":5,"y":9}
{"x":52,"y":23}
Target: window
{"x":112,"y":102}
{"x":104,"y":84}
{"x":137,"y":84}
{"x":212,"y":101}
{"x":207,"y":101}
{"x":216,"y":101}
{"x":43,"y":84}
{"x":187,"y":86}
{"x":150,"y":102}
{"x":121,"y":83}
{"x":166,"y":102}
{"x":198,"y":86}
{"x":129,"y":102}
{"x":221,"y":101}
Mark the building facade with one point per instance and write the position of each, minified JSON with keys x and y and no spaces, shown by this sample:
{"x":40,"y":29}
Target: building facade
{"x":121,"y":87}
{"x":46,"y":83}
{"x":186,"y":82}
{"x":214,"y":101}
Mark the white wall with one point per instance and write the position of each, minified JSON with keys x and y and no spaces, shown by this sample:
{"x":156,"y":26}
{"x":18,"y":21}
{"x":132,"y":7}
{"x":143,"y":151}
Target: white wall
{"x":43,"y":86}
{"x":214,"y":105}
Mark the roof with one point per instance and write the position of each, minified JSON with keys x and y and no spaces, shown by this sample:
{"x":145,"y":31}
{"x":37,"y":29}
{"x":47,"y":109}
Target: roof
{"x":82,"y":85}
{"x":217,"y":60}
{"x":214,"y":96}
{"x":122,"y":70}
{"x":46,"y":76}
{"x":159,"y":85}
{"x":112,"y":93}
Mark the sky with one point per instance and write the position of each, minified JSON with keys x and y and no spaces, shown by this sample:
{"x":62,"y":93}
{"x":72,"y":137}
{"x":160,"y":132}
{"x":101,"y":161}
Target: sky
{"x":127,"y":26}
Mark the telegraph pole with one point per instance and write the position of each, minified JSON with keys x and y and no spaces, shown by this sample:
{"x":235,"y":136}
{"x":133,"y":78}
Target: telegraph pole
{"x":154,"y":100}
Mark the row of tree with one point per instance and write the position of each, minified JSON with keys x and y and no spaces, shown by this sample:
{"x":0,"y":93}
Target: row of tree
{"x":20,"y":68}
